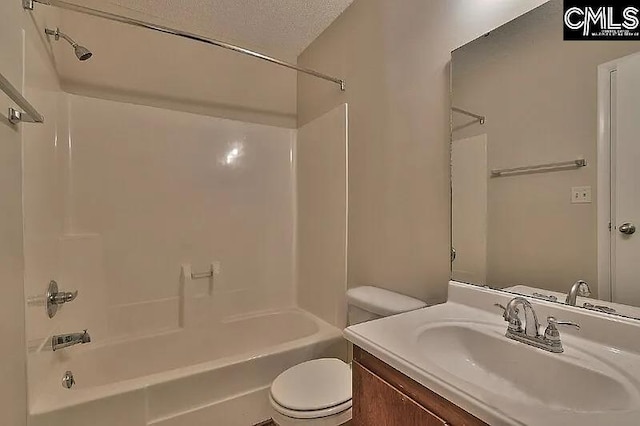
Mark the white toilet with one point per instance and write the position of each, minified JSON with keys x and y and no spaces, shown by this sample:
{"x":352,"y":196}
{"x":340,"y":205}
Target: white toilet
{"x":318,"y":392}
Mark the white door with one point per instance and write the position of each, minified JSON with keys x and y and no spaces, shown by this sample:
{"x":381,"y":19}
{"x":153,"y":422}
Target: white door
{"x":625,"y":181}
{"x":469,"y":209}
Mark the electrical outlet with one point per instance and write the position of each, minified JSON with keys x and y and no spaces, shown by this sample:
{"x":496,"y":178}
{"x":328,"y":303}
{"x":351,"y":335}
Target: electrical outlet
{"x":216,"y":267}
{"x":581,"y":195}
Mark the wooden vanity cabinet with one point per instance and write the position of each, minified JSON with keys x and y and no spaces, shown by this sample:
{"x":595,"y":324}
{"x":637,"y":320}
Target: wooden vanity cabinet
{"x":382,"y":396}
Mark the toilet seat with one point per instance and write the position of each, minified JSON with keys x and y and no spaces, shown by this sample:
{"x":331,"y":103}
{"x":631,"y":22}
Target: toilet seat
{"x":313,"y":389}
{"x":314,"y":414}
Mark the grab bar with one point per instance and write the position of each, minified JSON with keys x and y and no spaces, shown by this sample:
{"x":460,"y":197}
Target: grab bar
{"x":28,"y":114}
{"x":200,"y":275}
{"x":577,"y":163}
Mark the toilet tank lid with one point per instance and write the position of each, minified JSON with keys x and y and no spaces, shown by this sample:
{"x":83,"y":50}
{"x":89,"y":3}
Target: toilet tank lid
{"x":382,"y":302}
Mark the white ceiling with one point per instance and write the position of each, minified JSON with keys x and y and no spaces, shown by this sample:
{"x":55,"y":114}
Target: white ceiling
{"x":285,"y":27}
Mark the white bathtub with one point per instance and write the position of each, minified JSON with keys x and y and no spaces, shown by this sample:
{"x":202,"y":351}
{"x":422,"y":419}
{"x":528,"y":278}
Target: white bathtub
{"x":190,"y":377}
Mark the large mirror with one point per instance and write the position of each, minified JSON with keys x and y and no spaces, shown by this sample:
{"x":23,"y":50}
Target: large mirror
{"x":545,"y":154}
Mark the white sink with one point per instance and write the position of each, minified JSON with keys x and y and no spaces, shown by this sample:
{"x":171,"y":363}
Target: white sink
{"x":459,"y":350}
{"x":481,"y":355}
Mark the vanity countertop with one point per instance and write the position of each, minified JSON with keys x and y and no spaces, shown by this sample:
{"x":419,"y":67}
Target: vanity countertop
{"x":458,"y":350}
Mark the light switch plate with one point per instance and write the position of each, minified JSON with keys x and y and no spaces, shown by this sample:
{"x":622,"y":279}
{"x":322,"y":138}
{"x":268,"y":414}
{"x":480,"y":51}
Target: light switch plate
{"x":581,"y":195}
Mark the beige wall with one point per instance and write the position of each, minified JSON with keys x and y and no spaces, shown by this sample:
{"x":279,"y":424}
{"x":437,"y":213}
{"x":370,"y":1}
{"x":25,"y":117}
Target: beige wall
{"x":394,"y":56}
{"x":540,"y":98}
{"x":25,"y":61}
{"x":12,"y":352}
{"x":140,"y":66}
{"x":321,"y":166}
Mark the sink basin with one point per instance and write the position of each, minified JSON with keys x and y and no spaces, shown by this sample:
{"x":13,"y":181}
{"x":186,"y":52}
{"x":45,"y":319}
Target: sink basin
{"x":481,"y":357}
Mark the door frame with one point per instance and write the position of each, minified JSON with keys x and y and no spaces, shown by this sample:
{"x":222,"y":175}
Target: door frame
{"x":604,"y":173}
{"x":603,"y":216}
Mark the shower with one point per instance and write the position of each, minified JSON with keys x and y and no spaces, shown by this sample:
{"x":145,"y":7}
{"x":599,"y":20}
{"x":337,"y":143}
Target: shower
{"x":81,"y":52}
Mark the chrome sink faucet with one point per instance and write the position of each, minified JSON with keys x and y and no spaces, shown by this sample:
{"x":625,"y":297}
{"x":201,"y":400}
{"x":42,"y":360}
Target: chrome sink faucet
{"x":65,"y":340}
{"x":511,"y":315}
{"x":580,"y":288}
{"x":530,"y":333}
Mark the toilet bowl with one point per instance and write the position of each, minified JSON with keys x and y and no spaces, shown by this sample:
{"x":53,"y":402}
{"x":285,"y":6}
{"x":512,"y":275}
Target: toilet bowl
{"x":318,"y":392}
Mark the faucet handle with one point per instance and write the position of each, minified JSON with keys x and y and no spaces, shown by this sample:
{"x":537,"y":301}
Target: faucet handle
{"x":552,"y":334}
{"x":514,"y":320}
{"x":504,"y":310}
{"x":55,"y":298}
{"x":553,"y":321}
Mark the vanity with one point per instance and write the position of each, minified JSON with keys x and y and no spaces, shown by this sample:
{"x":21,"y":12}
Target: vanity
{"x":453,"y":364}
{"x":383,"y":395}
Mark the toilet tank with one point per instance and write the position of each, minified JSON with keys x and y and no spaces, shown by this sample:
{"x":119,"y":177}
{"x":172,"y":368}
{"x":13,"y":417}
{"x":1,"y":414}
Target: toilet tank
{"x":368,"y":303}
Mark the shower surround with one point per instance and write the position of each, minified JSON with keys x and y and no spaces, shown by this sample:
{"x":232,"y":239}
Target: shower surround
{"x":147,"y":190}
{"x":119,"y":205}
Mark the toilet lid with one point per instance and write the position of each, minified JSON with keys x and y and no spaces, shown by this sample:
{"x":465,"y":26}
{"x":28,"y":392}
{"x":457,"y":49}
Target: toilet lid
{"x":313,"y":385}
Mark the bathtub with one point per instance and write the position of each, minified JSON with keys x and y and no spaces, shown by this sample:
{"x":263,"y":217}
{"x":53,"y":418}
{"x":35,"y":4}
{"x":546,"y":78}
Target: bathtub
{"x":217,"y":375}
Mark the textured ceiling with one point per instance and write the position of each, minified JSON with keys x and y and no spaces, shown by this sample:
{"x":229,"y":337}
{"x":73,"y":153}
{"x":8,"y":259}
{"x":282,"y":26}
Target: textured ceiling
{"x":285,"y":27}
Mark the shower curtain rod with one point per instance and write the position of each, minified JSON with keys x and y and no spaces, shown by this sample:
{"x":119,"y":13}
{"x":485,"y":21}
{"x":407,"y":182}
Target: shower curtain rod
{"x":29,"y":5}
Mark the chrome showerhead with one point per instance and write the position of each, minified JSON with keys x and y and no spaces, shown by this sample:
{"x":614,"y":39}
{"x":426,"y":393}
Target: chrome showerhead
{"x":82,"y":53}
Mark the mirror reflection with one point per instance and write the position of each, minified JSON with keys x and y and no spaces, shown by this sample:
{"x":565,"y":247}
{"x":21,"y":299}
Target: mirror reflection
{"x":544,"y":154}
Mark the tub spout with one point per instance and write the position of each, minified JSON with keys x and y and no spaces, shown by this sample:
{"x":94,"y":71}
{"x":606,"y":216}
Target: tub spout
{"x":65,"y":340}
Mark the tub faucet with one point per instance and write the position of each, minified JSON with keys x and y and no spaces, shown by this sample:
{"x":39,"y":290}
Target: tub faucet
{"x":65,"y":340}
{"x":580,"y":288}
{"x":530,"y":334}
